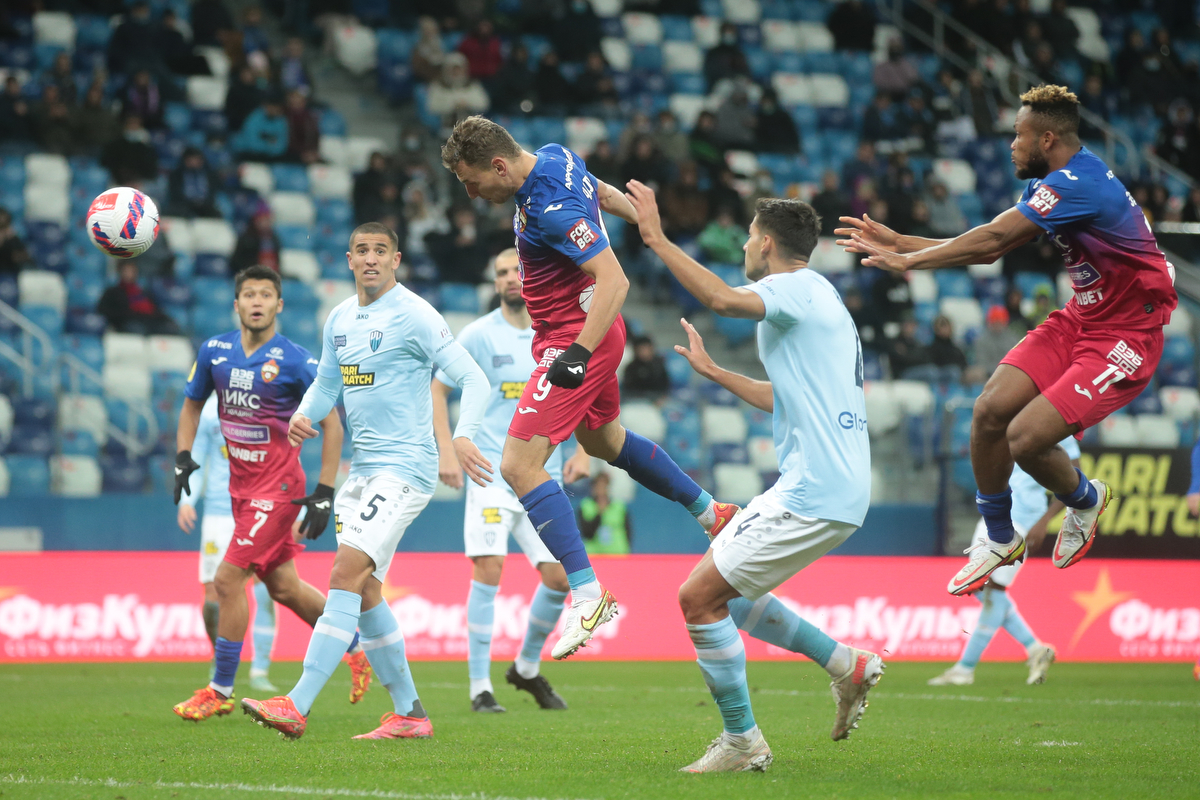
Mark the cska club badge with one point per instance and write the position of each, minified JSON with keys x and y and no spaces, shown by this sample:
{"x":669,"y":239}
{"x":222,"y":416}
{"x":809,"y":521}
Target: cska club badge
{"x":269,"y":371}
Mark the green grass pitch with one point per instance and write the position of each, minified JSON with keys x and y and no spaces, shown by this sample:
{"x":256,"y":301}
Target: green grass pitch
{"x":1093,"y":730}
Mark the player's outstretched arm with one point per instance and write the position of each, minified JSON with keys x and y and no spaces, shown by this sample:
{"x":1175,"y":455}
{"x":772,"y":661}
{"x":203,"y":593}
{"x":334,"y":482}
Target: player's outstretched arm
{"x":614,"y":202}
{"x":756,"y":393}
{"x":981,"y":245}
{"x":463,"y":370}
{"x":449,"y":471}
{"x":880,"y":235}
{"x":702,"y":283}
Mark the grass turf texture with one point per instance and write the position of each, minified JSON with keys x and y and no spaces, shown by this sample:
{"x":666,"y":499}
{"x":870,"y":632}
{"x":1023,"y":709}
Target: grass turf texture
{"x":1094,"y":730}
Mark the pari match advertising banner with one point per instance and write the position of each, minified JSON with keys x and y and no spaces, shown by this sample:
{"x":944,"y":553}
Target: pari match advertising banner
{"x":146,"y":606}
{"x":1148,"y":516}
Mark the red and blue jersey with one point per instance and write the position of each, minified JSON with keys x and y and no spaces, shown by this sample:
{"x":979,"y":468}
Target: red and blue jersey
{"x":256,"y":397}
{"x":558,"y":227}
{"x":1121,"y":278}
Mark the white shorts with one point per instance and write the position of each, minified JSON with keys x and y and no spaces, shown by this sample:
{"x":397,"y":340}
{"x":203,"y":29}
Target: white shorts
{"x":492,"y":513}
{"x":1004,"y":576}
{"x":216,"y":531}
{"x":372,"y":513}
{"x":765,"y":544}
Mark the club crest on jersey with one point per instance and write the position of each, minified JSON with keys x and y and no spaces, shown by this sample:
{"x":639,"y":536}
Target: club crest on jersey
{"x":270,"y":371}
{"x":376,"y":339}
{"x":520,"y":220}
{"x":1044,"y":200}
{"x":582,"y":235}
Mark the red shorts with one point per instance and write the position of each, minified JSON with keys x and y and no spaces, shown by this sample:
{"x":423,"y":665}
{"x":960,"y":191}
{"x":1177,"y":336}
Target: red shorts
{"x":1087,"y":374}
{"x":262,"y":535}
{"x":555,"y":412}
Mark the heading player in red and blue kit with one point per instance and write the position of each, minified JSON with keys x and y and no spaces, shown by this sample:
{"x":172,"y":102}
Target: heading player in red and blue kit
{"x":573,"y":287}
{"x":259,"y":377}
{"x":1080,"y":365}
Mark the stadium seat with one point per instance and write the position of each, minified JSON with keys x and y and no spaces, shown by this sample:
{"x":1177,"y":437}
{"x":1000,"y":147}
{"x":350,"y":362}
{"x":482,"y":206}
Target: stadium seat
{"x":299,"y":264}
{"x":742,"y":12}
{"x":359,"y":150}
{"x":55,"y":28}
{"x":993,"y":270}
{"x":1180,"y":324}
{"x":956,"y":174}
{"x":218,"y":62}
{"x":741,"y":162}
{"x":47,"y":202}
{"x":617,"y":53}
{"x":31,"y":440}
{"x":583,"y":133}
{"x":793,"y":89}
{"x":457,"y":320}
{"x":6,"y":420}
{"x":123,"y":475}
{"x":641,"y":28}
{"x":213,"y":236}
{"x":1156,"y":430}
{"x":169,"y":354}
{"x":729,"y":453}
{"x":682,"y":57}
{"x":965,"y":315}
{"x":290,"y":178}
{"x":459,"y":297}
{"x":740,"y":483}
{"x":883,"y":412}
{"x":1091,"y":42}
{"x":258,"y":177}
{"x":331,"y":292}
{"x":29,"y":476}
{"x":923,"y":287}
{"x":913,"y":398}
{"x":645,"y":419}
{"x":1178,"y":352}
{"x":780,"y":36}
{"x":814,"y":37}
{"x":48,"y":319}
{"x":723,"y":424}
{"x":706,"y":31}
{"x":75,"y":476}
{"x":686,"y":108}
{"x":5,"y":478}
{"x":953,"y":283}
{"x":330,"y":181}
{"x":293,"y":208}
{"x":47,"y":169}
{"x":206,"y":93}
{"x":124,"y":349}
{"x":42,"y":288}
{"x":179,"y":235}
{"x":333,"y":150}
{"x":762,"y":453}
{"x":1119,"y":430}
{"x":1180,"y":403}
{"x":127,"y":381}
{"x":828,"y":258}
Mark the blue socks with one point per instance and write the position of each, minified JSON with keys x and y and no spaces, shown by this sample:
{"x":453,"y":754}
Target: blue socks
{"x":264,"y":628}
{"x":227,"y":655}
{"x":333,"y":633}
{"x":770,"y":621}
{"x":1084,"y":496}
{"x":544,"y":611}
{"x":552,"y":517}
{"x":996,"y":510}
{"x":481,"y":617}
{"x":383,"y":642}
{"x":649,"y":465}
{"x":722,"y":660}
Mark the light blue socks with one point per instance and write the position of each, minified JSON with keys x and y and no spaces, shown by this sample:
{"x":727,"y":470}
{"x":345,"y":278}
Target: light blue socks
{"x":383,"y":642}
{"x":333,"y":633}
{"x":722,"y":660}
{"x":481,"y":618}
{"x":999,"y":611}
{"x":544,"y":611}
{"x":770,"y":621}
{"x":264,"y":629}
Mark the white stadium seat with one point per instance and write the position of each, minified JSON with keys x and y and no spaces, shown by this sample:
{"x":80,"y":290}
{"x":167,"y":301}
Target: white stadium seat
{"x":124,"y":349}
{"x":723,"y":424}
{"x":213,"y":236}
{"x":616,"y":53}
{"x":741,"y":483}
{"x":829,"y":258}
{"x":206,"y":93}
{"x":4,"y":478}
{"x":457,"y":320}
{"x":1091,"y":42}
{"x":1066,"y":289}
{"x":965,"y":313}
{"x":6,"y":420}
{"x":914,"y":398}
{"x":75,"y":476}
{"x":1180,"y":324}
{"x":54,"y":27}
{"x":1180,"y":402}
{"x":39,"y":287}
{"x":993,"y":270}
{"x":293,"y":208}
{"x":178,"y":231}
{"x":299,"y":264}
{"x":706,"y":31}
{"x":127,"y":381}
{"x":359,"y":150}
{"x":741,"y":162}
{"x":333,"y":150}
{"x":583,"y":133}
{"x":333,"y":292}
{"x":883,"y":413}
{"x":83,"y":412}
{"x":169,"y":353}
{"x":330,"y":181}
{"x":257,"y":176}
{"x":47,"y":203}
{"x":641,"y":28}
{"x":884,"y":34}
{"x":687,"y":108}
{"x":47,"y":169}
{"x":792,"y":88}
{"x":644,"y":419}
{"x":1156,"y":430}
{"x":1118,"y":431}
{"x":682,"y":57}
{"x":957,"y":174}
{"x":814,"y":37}
{"x":780,"y":36}
{"x":762,"y":453}
{"x":829,"y":90}
{"x":922,"y":286}
{"x":607,"y":9}
{"x":355,"y":46}
{"x":218,"y":62}
{"x":742,"y":12}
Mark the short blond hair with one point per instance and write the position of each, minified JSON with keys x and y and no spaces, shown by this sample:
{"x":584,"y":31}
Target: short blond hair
{"x":475,"y":141}
{"x":1056,"y":105}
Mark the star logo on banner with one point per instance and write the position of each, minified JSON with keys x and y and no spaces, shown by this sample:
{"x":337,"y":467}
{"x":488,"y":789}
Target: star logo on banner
{"x":1096,"y":602}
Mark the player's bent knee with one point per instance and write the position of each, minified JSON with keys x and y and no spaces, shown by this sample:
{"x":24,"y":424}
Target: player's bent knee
{"x":1027,"y":444}
{"x":990,"y":415}
{"x":487,"y":569}
{"x":694,"y":601}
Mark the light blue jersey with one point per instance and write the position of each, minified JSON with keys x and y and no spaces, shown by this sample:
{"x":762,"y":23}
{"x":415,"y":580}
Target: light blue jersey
{"x":1029,"y":501}
{"x":210,"y":452}
{"x":380,"y":357}
{"x":810,"y":348}
{"x":505,"y":354}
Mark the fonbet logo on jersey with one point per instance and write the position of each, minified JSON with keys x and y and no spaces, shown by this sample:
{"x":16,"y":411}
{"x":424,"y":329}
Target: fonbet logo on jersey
{"x":352,"y":377}
{"x":582,"y":235}
{"x":1044,"y":200}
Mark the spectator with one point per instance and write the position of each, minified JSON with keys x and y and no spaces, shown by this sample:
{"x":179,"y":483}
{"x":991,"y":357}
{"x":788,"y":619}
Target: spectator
{"x":63,"y":78}
{"x":863,"y":318}
{"x":919,"y":222}
{"x":919,"y":123}
{"x":852,"y":24}
{"x":1026,"y":45}
{"x":512,"y":91}
{"x":605,"y":523}
{"x":1043,"y":304}
{"x":906,"y":355}
{"x":1016,"y":319}
{"x":293,"y":71}
{"x":639,"y":126}
{"x":736,"y":118}
{"x":1044,"y":64}
{"x":264,"y":134}
{"x":993,"y":346}
{"x":1178,"y":140}
{"x":95,"y":123}
{"x":134,"y":44}
{"x":429,"y":52}
{"x":864,"y":167}
{"x":891,"y":297}
{"x":258,"y":244}
{"x":726,"y":59}
{"x":1191,"y":208}
{"x":211,"y":22}
{"x":177,"y":51}
{"x":685,"y":207}
{"x":143,"y":98}
{"x":192,"y":187}
{"x":482,"y":51}
{"x":723,"y":238}
{"x":387,"y":205}
{"x":944,"y":354}
{"x":702,"y":143}
{"x":725,"y":193}
{"x":864,"y":195}
{"x":16,"y":123}
{"x":981,"y":104}
{"x":1060,"y":30}
{"x":130,"y":158}
{"x":243,"y":97}
{"x":367,"y":185}
{"x":127,"y":308}
{"x":424,"y":218}
{"x":455,"y":94}
{"x":645,"y":164}
{"x":830,"y":203}
{"x":577,"y":32}
{"x":881,"y":121}
{"x":52,"y":123}
{"x":897,"y":74}
{"x":595,"y":92}
{"x":945,"y":217}
{"x":668,"y":139}
{"x":646,"y":375}
{"x":762,"y":186}
{"x":1129,"y":60}
{"x":553,"y":90}
{"x":14,"y":255}
{"x":1100,"y":102}
{"x":461,"y":254}
{"x":775,"y":130}
{"x":254,"y":36}
{"x":602,"y":162}
{"x":304,"y":132}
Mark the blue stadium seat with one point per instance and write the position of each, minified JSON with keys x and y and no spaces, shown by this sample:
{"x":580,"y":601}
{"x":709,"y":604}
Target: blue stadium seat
{"x":678,"y":368}
{"x":209,"y":123}
{"x":676,"y":28}
{"x":29,"y":476}
{"x":459,"y":297}
{"x":298,"y":298}
{"x":872,"y":366}
{"x":211,"y":320}
{"x":79,"y":443}
{"x":49,"y":319}
{"x":811,"y":10}
{"x":547,"y":129}
{"x":1147,"y":402}
{"x":87,"y":323}
{"x":44,"y":55}
{"x":213,"y":266}
{"x":857,"y":69}
{"x":334,"y":212}
{"x":712,"y":8}
{"x":331,"y":122}
{"x":302,"y":329}
{"x":92,"y":32}
{"x":685,"y":452}
{"x":1028,"y":283}
{"x":777,"y":9}
{"x":296,"y":237}
{"x":122,"y":474}
{"x":393,"y":45}
{"x":762,"y":63}
{"x":954,"y":283}
{"x":31,"y":440}
{"x":1178,"y":351}
{"x":178,"y":117}
{"x":168,"y":385}
{"x":45,"y":234}
{"x":990,"y":291}
{"x":683,"y":422}
{"x":83,"y":291}
{"x":725,"y":453}
{"x":688,"y":83}
{"x":290,"y":177}
{"x":716,"y":395}
{"x":172,"y":292}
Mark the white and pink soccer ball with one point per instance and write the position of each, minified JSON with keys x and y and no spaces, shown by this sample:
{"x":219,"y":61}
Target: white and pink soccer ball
{"x":123,"y":222}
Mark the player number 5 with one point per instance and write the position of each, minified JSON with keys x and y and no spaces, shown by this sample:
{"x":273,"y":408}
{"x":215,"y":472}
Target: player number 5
{"x":374,"y":508}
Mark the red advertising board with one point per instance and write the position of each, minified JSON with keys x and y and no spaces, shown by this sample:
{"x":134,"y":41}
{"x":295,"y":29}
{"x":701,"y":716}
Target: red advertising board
{"x":74,"y":606}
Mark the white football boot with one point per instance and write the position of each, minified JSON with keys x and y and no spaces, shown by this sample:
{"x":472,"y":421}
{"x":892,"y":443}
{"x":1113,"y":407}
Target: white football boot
{"x":582,"y":621}
{"x":985,"y":557}
{"x":726,"y":755}
{"x":1079,"y":528}
{"x":955,"y":676}
{"x":850,"y":690}
{"x":1039,"y":663}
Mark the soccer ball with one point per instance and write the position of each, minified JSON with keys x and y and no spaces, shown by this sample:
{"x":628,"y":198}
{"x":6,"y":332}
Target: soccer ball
{"x":123,"y":222}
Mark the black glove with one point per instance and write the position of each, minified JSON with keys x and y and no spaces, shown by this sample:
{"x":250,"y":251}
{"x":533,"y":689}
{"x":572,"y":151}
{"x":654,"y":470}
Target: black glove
{"x":320,"y":506}
{"x":184,"y":467}
{"x":570,"y":368}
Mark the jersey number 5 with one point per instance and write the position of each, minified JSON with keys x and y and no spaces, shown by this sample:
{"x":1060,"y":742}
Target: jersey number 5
{"x":371,"y":504}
